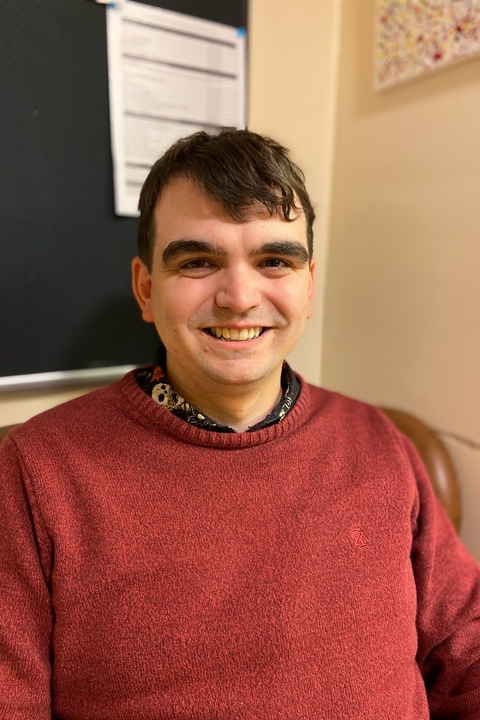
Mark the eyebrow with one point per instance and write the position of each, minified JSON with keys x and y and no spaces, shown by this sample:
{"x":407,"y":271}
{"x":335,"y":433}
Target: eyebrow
{"x":186,"y":246}
{"x":291,"y":248}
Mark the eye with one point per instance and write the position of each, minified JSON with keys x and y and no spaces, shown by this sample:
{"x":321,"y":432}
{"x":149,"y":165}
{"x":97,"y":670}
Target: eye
{"x":275,"y":263}
{"x":196,"y":267}
{"x":198,"y":263}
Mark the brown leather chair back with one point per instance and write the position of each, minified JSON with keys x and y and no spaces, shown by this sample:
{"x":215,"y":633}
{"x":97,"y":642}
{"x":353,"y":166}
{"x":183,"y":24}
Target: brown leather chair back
{"x":436,"y":459}
{"x":5,"y":430}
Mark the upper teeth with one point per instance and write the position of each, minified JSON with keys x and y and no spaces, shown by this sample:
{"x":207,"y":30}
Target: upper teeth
{"x":233,"y":334}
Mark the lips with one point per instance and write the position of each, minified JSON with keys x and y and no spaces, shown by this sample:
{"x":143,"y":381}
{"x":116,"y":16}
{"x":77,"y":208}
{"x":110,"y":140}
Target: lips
{"x":236,"y":335}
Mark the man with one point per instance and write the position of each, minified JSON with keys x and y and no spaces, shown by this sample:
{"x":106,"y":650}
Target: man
{"x":212,"y":537}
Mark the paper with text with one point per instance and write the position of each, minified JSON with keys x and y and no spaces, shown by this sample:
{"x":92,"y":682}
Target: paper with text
{"x":170,"y":75}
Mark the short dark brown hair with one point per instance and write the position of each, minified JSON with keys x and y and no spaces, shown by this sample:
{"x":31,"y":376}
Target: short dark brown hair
{"x":236,"y":168}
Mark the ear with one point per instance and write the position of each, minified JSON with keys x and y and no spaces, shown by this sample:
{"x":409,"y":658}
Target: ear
{"x":142,"y":288}
{"x":311,"y":288}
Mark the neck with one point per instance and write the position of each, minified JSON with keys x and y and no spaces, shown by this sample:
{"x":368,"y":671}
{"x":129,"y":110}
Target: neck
{"x":236,"y":406}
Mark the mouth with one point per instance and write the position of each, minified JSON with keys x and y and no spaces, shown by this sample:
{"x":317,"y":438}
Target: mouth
{"x":235,"y":335}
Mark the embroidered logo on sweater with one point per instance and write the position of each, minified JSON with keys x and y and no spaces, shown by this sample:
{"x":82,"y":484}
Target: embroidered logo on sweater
{"x":358,"y":537}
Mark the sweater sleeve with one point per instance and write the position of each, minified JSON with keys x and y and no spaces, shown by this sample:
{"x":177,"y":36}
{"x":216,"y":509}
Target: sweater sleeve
{"x":448,"y":608}
{"x":25,"y":603}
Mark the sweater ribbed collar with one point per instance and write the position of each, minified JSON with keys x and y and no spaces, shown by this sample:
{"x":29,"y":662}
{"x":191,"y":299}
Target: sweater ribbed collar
{"x":159,"y":420}
{"x":154,"y":382}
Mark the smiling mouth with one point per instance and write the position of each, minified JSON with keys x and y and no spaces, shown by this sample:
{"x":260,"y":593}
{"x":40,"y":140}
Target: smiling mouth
{"x":230,"y":334}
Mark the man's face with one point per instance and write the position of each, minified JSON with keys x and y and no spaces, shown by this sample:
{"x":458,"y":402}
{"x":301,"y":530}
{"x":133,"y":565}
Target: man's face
{"x":229,"y":300}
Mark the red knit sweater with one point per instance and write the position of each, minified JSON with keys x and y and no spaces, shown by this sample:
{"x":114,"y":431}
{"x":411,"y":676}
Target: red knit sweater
{"x":151,"y":570}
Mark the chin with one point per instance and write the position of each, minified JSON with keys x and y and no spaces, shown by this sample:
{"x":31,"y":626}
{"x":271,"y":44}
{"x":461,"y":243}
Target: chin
{"x":240,"y":376}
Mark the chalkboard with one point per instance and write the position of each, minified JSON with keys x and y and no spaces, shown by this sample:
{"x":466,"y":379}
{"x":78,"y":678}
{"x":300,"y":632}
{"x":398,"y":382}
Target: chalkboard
{"x":65,"y":297}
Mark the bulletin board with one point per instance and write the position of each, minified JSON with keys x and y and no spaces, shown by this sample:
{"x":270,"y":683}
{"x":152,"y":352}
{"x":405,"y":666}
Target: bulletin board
{"x":65,"y":295}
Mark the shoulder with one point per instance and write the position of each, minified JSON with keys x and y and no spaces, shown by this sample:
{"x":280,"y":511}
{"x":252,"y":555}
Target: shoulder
{"x":81,"y":420}
{"x":345,"y":416}
{"x":353,"y":433}
{"x":77,"y":411}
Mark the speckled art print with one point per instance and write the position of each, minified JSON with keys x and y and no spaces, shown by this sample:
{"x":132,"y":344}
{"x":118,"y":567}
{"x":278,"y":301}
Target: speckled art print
{"x":413,"y":37}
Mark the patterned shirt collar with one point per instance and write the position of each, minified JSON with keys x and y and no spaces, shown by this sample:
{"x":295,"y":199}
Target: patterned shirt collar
{"x":154,"y":382}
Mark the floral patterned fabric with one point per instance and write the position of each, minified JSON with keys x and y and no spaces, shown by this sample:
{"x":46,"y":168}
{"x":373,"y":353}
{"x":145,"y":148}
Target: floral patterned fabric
{"x":153,"y":380}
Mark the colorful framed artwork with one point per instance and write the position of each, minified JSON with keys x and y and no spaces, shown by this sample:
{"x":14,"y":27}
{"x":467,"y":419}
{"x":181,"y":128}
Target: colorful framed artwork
{"x":413,"y":37}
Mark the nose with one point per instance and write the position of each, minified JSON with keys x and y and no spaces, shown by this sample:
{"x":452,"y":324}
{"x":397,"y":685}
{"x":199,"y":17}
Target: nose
{"x":239,"y":289}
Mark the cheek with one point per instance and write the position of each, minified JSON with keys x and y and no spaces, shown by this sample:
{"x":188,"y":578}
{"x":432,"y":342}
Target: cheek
{"x":176,"y":304}
{"x":291,"y":299}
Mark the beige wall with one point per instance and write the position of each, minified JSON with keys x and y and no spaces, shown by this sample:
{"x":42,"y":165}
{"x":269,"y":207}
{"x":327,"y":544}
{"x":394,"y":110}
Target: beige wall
{"x":402,"y":306}
{"x":293,"y":64}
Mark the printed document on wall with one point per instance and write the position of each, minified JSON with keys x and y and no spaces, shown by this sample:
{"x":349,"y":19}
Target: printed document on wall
{"x":170,"y":75}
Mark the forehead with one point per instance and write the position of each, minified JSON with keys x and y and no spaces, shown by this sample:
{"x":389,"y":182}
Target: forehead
{"x":185,"y":211}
